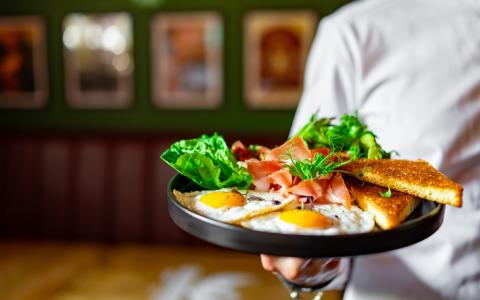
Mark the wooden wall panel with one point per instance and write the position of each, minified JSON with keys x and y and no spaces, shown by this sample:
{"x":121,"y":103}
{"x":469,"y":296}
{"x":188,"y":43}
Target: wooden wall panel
{"x":127,"y":207}
{"x":162,"y":227}
{"x":4,"y":159}
{"x":56,"y":202}
{"x":89,"y":188}
{"x":20,"y":202}
{"x":90,"y":191}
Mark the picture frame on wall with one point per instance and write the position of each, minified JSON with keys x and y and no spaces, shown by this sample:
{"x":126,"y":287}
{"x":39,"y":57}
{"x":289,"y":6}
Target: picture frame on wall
{"x":98,"y":60}
{"x":276,"y":45}
{"x":187,"y":60}
{"x":23,"y":62}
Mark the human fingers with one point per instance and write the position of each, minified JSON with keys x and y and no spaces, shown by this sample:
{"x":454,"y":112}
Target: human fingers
{"x":289,"y":267}
{"x":268,"y":262}
{"x":302,"y":271}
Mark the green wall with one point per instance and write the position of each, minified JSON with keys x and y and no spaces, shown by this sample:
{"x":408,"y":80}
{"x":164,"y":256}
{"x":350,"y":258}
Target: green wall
{"x":142,"y":116}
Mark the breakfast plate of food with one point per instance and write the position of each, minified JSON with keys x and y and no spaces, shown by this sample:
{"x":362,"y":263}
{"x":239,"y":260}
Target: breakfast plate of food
{"x":329,"y":191}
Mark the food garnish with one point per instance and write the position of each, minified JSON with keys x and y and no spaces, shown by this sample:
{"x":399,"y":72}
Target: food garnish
{"x":312,"y":172}
{"x":208,"y":162}
{"x":386,"y":194}
{"x":319,"y":165}
{"x":350,"y":135}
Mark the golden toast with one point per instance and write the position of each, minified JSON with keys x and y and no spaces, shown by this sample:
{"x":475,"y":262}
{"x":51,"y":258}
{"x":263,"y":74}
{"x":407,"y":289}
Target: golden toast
{"x":416,"y":178}
{"x":387,"y":212}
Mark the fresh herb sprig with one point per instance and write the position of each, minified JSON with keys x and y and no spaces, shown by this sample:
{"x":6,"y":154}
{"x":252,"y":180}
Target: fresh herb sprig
{"x":350,"y":135}
{"x":319,"y":165}
{"x":386,"y":194}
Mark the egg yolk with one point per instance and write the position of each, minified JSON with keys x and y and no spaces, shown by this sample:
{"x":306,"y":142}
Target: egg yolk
{"x":222,"y":199}
{"x":306,"y":218}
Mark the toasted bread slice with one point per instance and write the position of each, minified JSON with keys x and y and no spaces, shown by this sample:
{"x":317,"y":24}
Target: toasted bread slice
{"x":416,"y":178}
{"x":387,"y":212}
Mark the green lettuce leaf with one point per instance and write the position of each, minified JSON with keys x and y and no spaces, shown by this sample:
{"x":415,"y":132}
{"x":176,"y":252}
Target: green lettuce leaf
{"x":208,"y":162}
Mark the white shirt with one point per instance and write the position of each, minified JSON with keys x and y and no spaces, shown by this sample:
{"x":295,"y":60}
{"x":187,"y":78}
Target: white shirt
{"x":411,"y":68}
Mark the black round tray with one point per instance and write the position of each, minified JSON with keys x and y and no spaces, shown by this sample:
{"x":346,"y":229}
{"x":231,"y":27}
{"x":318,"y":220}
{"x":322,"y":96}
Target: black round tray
{"x":423,"y":222}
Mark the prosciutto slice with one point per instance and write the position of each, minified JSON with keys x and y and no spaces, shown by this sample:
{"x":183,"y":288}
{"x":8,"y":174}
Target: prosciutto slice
{"x":337,"y":192}
{"x":260,"y":170}
{"x":314,"y":188}
{"x":294,"y":148}
{"x":281,"y":179}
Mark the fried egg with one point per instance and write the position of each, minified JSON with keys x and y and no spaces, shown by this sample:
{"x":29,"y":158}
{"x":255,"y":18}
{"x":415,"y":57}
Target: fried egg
{"x":230,"y":205}
{"x":324,"y":219}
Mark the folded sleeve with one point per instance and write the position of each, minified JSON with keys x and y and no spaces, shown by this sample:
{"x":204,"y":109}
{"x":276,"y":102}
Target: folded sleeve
{"x":330,"y":79}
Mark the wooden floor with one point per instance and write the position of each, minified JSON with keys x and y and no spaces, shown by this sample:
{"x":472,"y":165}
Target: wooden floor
{"x":39,"y":270}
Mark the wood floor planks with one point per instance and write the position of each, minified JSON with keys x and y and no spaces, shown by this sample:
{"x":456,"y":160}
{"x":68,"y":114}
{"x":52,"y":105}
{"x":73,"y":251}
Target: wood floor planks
{"x":60,"y":271}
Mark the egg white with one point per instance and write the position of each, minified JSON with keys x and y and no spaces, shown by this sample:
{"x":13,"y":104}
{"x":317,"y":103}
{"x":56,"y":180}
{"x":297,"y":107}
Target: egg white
{"x":256,"y":203}
{"x":345,"y":221}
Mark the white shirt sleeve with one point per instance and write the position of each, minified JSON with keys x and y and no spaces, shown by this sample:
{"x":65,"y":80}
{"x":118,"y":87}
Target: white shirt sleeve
{"x":329,"y":88}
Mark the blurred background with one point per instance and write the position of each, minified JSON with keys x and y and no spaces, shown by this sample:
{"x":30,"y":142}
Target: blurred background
{"x":91,"y":93}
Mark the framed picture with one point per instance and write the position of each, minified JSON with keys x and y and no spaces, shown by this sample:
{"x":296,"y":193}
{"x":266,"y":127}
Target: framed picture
{"x":276,"y":45}
{"x":23,"y":65}
{"x":187,"y":60}
{"x":98,"y":60}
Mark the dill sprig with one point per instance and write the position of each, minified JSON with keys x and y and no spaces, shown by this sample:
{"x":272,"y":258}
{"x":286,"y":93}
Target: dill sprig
{"x":319,"y":165}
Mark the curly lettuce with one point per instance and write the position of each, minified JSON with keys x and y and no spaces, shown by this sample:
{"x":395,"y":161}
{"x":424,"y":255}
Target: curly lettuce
{"x":350,"y":135}
{"x":208,"y":162}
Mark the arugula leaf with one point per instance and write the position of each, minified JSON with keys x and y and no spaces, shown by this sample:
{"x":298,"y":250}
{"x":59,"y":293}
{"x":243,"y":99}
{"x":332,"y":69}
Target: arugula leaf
{"x":350,"y":135}
{"x":386,"y":194}
{"x":312,"y":132}
{"x":207,"y":161}
{"x":317,"y":166}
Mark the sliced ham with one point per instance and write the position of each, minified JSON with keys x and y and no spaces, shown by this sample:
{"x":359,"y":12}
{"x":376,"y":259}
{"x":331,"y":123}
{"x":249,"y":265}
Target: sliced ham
{"x":269,"y":174}
{"x":326,"y":189}
{"x":281,"y":178}
{"x":260,"y":170}
{"x":242,"y":153}
{"x":337,"y":192}
{"x":261,"y":152}
{"x":322,"y":150}
{"x":295,"y":148}
{"x":314,"y":188}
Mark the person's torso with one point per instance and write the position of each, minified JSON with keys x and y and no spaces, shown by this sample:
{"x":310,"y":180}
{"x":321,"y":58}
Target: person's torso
{"x":419,"y":64}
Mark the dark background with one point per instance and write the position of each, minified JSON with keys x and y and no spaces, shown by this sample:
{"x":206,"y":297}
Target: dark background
{"x":89,"y":174}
